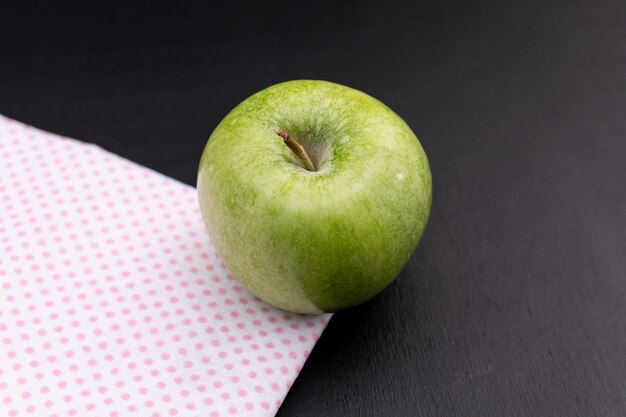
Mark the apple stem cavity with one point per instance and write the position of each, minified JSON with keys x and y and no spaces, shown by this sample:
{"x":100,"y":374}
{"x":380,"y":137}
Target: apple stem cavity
{"x":297,"y":149}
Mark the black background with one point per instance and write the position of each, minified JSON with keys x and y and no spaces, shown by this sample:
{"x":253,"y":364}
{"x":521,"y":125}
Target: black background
{"x":514,"y":302}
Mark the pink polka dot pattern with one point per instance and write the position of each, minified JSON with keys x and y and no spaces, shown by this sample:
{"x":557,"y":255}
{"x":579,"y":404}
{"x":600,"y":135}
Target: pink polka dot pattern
{"x":113,"y":301}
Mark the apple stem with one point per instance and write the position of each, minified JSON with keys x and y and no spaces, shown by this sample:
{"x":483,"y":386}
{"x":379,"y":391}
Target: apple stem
{"x":297,"y":149}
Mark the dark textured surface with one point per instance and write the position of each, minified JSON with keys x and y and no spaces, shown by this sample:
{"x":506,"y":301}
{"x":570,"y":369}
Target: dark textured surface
{"x":515,"y":302}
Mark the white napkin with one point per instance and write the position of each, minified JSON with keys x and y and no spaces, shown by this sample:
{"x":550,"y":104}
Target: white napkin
{"x":113,"y":302}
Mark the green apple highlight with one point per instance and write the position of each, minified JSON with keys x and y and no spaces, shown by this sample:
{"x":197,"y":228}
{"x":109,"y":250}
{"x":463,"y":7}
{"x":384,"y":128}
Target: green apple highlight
{"x":314,"y":194}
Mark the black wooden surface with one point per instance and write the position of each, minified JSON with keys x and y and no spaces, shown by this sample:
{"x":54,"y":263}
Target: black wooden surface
{"x":515,"y":302}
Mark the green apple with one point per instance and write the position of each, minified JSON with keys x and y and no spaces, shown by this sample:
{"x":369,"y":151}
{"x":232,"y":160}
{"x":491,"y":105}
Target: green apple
{"x":314,"y":194}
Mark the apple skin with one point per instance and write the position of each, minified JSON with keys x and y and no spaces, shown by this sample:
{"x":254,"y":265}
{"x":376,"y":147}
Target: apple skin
{"x":312,"y":242}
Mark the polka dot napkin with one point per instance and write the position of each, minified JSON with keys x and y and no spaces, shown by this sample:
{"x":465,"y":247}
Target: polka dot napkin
{"x":113,"y":302}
